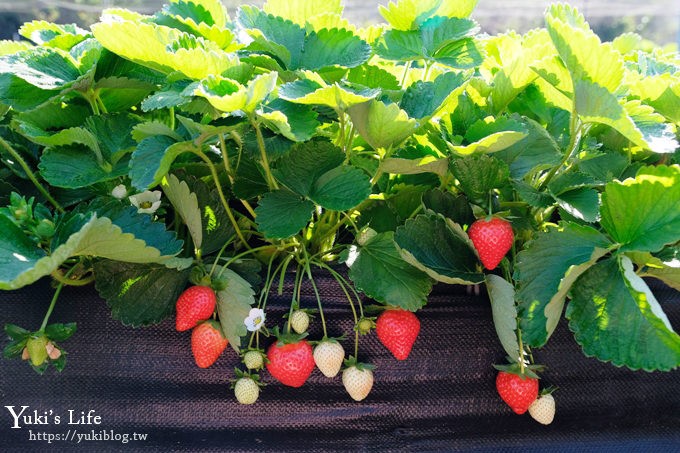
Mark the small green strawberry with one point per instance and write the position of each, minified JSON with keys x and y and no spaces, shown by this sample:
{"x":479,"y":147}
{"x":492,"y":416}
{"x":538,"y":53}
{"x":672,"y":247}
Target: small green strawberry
{"x":357,"y":379}
{"x":207,"y":343}
{"x":365,"y":325}
{"x":254,"y":359}
{"x":37,"y":349}
{"x":328,"y":356}
{"x":543,"y":409}
{"x":299,"y":321}
{"x":247,"y":390}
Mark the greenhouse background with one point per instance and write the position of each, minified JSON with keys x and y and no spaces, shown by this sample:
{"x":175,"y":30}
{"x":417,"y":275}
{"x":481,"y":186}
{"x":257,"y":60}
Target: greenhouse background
{"x":656,"y":20}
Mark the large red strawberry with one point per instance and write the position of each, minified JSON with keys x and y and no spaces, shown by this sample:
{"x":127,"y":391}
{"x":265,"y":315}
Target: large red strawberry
{"x":207,"y":343}
{"x":290,"y":363}
{"x":397,"y":330}
{"x":517,"y":391}
{"x":194,"y":305}
{"x":492,"y":240}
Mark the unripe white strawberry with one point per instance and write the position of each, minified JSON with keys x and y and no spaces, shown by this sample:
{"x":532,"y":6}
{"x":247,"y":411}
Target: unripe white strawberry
{"x":328,"y":356}
{"x":246,"y":390}
{"x":299,"y":321}
{"x":253,"y":360}
{"x":543,"y":409}
{"x":358,"y":382}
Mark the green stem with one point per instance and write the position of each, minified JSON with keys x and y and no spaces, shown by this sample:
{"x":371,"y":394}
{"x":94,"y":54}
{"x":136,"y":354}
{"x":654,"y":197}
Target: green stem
{"x":99,"y":101}
{"x":225,"y":158}
{"x":31,"y":175}
{"x":295,"y":299}
{"x":318,"y":299}
{"x":219,"y":254}
{"x":576,"y":132}
{"x":344,"y":281}
{"x":351,"y":304}
{"x":263,"y":155}
{"x":68,"y":282}
{"x":521,"y":349}
{"x":407,"y":66}
{"x":428,"y":68}
{"x":54,"y":299}
{"x":223,"y":199}
{"x":172,"y":118}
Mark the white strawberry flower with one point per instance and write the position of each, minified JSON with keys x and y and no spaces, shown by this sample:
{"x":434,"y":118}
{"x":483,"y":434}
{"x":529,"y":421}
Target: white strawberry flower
{"x":255,"y":319}
{"x":146,"y":202}
{"x":120,"y":191}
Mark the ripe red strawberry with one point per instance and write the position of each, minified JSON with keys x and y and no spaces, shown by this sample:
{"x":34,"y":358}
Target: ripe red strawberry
{"x":517,"y":391}
{"x":194,"y":305}
{"x":492,"y":240}
{"x":397,"y":330}
{"x":207,"y":343}
{"x":291,"y":363}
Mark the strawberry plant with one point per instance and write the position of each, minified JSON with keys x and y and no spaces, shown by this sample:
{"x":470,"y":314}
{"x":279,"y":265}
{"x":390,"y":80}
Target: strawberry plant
{"x":228,"y":152}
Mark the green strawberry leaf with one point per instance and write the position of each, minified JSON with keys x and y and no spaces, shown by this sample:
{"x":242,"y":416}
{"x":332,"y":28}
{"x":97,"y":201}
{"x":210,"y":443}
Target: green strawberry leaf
{"x":445,"y":40}
{"x":216,"y":227}
{"x":23,"y":263}
{"x":378,"y":271}
{"x":282,"y":214}
{"x":293,"y":121}
{"x":296,"y":49}
{"x":495,"y":142}
{"x":537,"y":150}
{"x":305,"y":163}
{"x":478,"y":175}
{"x":302,"y":11}
{"x":229,"y":96}
{"x":642,"y":213}
{"x":581,"y":203}
{"x":546,"y":270}
{"x":139,"y":294}
{"x":424,"y":99}
{"x":409,"y":14}
{"x":42,"y":67}
{"x":586,"y":58}
{"x":152,"y":159}
{"x":233,"y":306}
{"x":612,"y":287}
{"x":341,"y":188}
{"x":440,"y":248}
{"x":636,"y":122}
{"x":161,"y":48}
{"x":502,"y":298}
{"x":382,"y":125}
{"x":335,"y":96}
{"x":456,"y":208}
{"x":59,"y":331}
{"x":186,"y":205}
{"x":373,"y":77}
{"x":75,"y":166}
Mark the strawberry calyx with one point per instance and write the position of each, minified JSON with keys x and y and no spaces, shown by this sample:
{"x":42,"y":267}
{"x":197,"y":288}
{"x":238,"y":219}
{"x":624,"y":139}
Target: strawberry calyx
{"x":353,"y":362}
{"x":283,"y":338}
{"x":327,"y":340}
{"x":240,"y":374}
{"x":525,"y":371}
